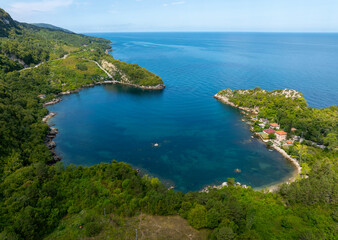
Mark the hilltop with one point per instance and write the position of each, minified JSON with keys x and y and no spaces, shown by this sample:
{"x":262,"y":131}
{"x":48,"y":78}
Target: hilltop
{"x":6,"y":23}
{"x":52,"y":27}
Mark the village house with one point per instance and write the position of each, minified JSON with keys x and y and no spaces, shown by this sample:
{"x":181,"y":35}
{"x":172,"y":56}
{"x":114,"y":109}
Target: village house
{"x":293,"y":129}
{"x":42,"y":96}
{"x":270,"y":130}
{"x":264,"y":120}
{"x":287,"y":143}
{"x":280,"y":135}
{"x":274,"y":125}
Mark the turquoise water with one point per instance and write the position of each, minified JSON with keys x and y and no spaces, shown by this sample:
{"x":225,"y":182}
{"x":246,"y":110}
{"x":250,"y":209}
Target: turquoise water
{"x":201,"y":141}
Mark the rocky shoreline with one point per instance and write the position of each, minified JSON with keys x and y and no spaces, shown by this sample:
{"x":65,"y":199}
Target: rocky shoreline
{"x":224,"y":184}
{"x":48,"y":117}
{"x":53,"y":101}
{"x":157,"y":87}
{"x":294,"y":161}
{"x":51,"y":145}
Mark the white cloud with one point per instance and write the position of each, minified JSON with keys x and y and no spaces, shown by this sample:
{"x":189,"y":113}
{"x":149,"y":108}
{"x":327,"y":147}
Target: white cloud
{"x":178,"y":3}
{"x":41,"y":6}
{"x":173,"y":3}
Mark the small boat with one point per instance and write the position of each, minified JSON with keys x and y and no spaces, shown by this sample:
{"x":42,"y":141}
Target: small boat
{"x":270,"y":150}
{"x":156,"y":145}
{"x":237,"y":170}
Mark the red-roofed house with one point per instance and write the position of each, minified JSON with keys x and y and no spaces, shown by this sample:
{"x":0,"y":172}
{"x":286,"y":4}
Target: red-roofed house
{"x":293,"y":129}
{"x":287,"y":143}
{"x":42,"y":96}
{"x":281,"y":135}
{"x":274,"y":125}
{"x":270,"y":130}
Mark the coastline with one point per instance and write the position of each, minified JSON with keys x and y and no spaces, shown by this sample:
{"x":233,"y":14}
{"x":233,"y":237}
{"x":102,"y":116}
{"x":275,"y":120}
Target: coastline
{"x":274,"y":187}
{"x":157,"y":87}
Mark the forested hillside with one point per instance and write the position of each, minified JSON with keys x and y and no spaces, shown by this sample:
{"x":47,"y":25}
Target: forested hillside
{"x":41,"y":200}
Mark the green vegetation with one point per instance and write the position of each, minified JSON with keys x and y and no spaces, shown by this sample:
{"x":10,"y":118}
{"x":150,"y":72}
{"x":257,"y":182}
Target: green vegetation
{"x":73,"y":72}
{"x":289,"y":109}
{"x":318,"y":125}
{"x":139,"y":75}
{"x":39,"y":200}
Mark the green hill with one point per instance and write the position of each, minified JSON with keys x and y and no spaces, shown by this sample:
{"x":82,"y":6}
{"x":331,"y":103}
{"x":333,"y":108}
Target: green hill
{"x":6,"y":23}
{"x":52,"y":27}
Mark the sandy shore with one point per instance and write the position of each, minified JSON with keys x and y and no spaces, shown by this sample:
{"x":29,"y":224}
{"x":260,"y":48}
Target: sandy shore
{"x":295,"y":175}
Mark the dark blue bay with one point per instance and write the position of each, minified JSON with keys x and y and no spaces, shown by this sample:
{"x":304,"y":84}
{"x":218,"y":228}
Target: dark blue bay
{"x":201,"y":140}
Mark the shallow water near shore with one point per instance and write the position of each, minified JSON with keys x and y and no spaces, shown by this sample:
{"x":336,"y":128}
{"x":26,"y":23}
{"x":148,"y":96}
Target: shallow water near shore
{"x":201,"y":141}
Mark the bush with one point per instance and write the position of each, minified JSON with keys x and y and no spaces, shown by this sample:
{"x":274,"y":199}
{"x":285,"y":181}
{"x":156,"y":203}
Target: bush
{"x":81,"y":66}
{"x":225,"y":233}
{"x":197,"y":217}
{"x":92,"y":229}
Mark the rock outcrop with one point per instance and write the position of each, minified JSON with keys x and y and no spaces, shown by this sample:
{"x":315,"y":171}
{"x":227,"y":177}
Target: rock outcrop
{"x":113,"y":70}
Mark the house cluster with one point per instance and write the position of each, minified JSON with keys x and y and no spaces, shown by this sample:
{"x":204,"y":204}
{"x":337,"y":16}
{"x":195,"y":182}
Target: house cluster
{"x":274,"y":128}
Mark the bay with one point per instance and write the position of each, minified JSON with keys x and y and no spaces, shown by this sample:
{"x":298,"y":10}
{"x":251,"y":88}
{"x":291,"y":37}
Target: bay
{"x":201,"y":141}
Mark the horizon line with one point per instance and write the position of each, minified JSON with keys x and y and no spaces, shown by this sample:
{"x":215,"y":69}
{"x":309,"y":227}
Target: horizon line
{"x":307,"y":32}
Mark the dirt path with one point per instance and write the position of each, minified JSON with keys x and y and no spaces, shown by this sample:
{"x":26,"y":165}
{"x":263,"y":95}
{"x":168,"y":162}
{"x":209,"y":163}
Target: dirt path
{"x":64,"y":57}
{"x":108,"y":74}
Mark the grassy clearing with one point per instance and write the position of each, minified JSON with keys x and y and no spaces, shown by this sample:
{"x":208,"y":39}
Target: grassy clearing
{"x":73,"y":72}
{"x":114,"y":227}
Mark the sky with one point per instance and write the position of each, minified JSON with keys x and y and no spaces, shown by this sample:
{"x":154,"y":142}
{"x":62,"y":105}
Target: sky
{"x":85,"y":16}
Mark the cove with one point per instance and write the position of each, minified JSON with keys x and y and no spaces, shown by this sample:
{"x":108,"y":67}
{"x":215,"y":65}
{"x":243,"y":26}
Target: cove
{"x":201,"y":141}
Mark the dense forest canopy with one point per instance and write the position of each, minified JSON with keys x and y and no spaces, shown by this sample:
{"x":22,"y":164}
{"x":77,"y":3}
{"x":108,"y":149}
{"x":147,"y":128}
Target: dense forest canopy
{"x":42,"y":200}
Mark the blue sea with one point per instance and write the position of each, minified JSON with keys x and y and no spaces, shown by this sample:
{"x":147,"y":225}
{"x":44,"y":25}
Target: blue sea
{"x":201,"y":141}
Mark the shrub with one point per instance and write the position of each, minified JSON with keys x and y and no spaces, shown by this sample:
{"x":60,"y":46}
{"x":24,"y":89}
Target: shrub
{"x":81,"y":66}
{"x":92,"y":229}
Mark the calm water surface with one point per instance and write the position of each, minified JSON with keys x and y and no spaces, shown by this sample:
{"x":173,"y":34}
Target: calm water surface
{"x":201,"y":141}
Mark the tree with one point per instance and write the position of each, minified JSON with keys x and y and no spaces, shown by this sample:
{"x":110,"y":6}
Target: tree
{"x":225,"y":233}
{"x":212,"y":218}
{"x":231,"y":181}
{"x":272,"y":136}
{"x":197,"y":217}
{"x":302,"y":150}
